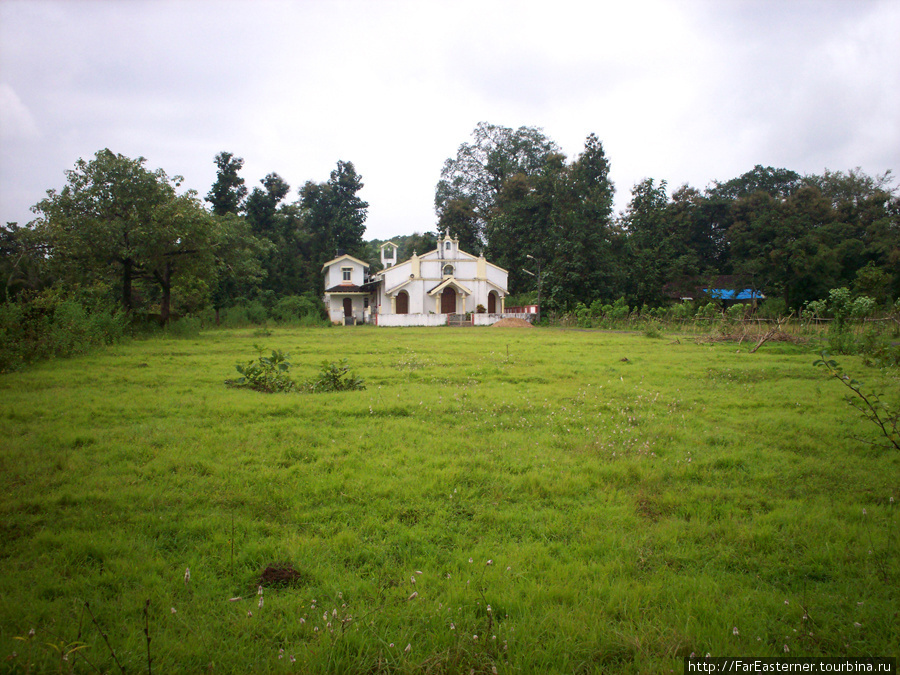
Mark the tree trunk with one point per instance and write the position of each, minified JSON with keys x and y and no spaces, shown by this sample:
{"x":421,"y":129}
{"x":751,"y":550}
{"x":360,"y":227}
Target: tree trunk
{"x":127,"y":275}
{"x":165,"y":283}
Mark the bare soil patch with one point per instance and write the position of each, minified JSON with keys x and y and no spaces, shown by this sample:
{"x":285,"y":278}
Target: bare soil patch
{"x":512,"y":323}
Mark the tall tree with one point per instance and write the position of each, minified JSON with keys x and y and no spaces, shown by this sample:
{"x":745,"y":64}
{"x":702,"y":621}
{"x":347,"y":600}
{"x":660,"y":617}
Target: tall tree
{"x":459,"y":220}
{"x":334,"y":214}
{"x":778,"y":183}
{"x":228,"y":192}
{"x":477,"y":173}
{"x":117,"y":220}
{"x":650,"y":246}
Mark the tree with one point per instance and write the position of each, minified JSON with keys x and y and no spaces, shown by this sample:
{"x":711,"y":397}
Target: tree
{"x":778,"y":183}
{"x":22,"y":261}
{"x":228,"y":192}
{"x":480,"y":169}
{"x":650,"y":245}
{"x":334,"y":214}
{"x":117,"y":220}
{"x":459,"y":220}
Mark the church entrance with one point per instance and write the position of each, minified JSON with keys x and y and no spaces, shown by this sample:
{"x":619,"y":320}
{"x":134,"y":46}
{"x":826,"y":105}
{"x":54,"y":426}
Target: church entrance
{"x":403,"y":302}
{"x":448,"y":301}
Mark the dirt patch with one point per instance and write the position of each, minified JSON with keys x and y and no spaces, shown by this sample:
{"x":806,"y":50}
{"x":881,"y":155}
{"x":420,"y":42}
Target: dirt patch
{"x":280,"y":574}
{"x":512,"y":323}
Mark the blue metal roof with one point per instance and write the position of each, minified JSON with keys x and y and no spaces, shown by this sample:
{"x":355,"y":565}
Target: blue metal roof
{"x":731,"y":294}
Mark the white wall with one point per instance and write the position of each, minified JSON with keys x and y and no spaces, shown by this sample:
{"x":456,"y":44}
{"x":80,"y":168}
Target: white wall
{"x":334,"y":275}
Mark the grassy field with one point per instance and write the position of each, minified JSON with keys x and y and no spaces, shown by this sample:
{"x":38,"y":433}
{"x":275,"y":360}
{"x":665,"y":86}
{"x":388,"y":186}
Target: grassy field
{"x":509,"y":500}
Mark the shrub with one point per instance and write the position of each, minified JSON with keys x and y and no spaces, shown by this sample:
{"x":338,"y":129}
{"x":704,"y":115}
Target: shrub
{"x":56,"y":323}
{"x":708,"y":311}
{"x":336,"y":377}
{"x":293,"y":308}
{"x":772,"y":308}
{"x":268,"y":374}
{"x":185,"y":327}
{"x":736,"y":313}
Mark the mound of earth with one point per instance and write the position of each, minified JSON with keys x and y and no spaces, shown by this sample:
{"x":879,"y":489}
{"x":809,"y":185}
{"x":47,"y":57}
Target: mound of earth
{"x":512,"y":323}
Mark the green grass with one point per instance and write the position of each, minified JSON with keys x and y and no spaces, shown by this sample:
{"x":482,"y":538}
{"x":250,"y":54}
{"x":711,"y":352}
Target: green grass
{"x":638,"y":499}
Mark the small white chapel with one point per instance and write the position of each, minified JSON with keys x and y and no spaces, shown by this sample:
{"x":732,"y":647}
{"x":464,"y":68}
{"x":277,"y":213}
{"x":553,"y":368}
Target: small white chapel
{"x":433,"y":289}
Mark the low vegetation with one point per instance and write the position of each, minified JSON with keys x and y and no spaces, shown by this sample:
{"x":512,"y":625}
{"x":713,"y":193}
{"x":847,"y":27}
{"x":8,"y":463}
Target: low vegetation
{"x":495,"y":500}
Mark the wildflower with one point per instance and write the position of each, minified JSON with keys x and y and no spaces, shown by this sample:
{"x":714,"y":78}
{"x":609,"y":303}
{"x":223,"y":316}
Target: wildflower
{"x":805,"y":616}
{"x":173,"y":610}
{"x":786,"y":649}
{"x":508,"y":569}
{"x":334,"y":613}
{"x":260,"y":602}
{"x":452,"y":626}
{"x":864,"y":512}
{"x":408,"y":648}
{"x":857,"y":624}
{"x":292,"y":658}
{"x":488,"y":609}
{"x":281,"y":653}
{"x":235,"y":599}
{"x":418,"y":571}
{"x":475,"y":637}
{"x":735,"y":631}
{"x":490,"y":562}
{"x":470,"y":560}
{"x":259,"y":590}
{"x":302,"y":620}
{"x":249,"y":614}
{"x":316,"y":629}
{"x":413,"y":596}
{"x":786,"y":602}
{"x":187,"y":575}
{"x":391,"y":645}
{"x":31,"y":633}
{"x":412,"y":580}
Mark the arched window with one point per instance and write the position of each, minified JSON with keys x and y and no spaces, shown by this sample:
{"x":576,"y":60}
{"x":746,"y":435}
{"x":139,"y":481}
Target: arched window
{"x":448,"y":270}
{"x":447,"y":246}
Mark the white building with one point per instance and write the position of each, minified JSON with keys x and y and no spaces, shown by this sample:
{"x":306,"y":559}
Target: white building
{"x":422,"y":291}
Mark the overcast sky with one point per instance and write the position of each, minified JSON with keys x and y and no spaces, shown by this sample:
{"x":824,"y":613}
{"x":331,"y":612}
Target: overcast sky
{"x":686,"y":91}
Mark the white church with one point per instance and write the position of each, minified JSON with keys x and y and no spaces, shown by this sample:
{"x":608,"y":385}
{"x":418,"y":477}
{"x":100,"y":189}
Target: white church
{"x":439,"y":287}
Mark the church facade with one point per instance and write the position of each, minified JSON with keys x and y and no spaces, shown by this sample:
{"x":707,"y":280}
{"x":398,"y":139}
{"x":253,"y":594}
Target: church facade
{"x":425,"y":290}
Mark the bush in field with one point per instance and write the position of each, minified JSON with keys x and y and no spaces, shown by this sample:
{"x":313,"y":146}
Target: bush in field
{"x":56,"y":323}
{"x":708,"y":311}
{"x":736,"y":313}
{"x":298,"y":308}
{"x":268,"y":374}
{"x":185,"y":327}
{"x":336,"y":377}
{"x":772,"y":308}
{"x":245,"y":313}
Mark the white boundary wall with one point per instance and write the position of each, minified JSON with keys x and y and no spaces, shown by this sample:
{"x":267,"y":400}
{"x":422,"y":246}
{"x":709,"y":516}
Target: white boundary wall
{"x":441,"y":319}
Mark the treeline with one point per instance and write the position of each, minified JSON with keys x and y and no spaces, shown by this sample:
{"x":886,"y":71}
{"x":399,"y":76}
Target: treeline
{"x":512,"y":195}
{"x":121,"y":239}
{"x":119,"y":247}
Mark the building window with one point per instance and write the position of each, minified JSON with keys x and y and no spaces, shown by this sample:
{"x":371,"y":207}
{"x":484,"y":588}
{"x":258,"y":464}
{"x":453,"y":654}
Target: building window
{"x":447,"y":246}
{"x":347,"y":271}
{"x":448,"y":270}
